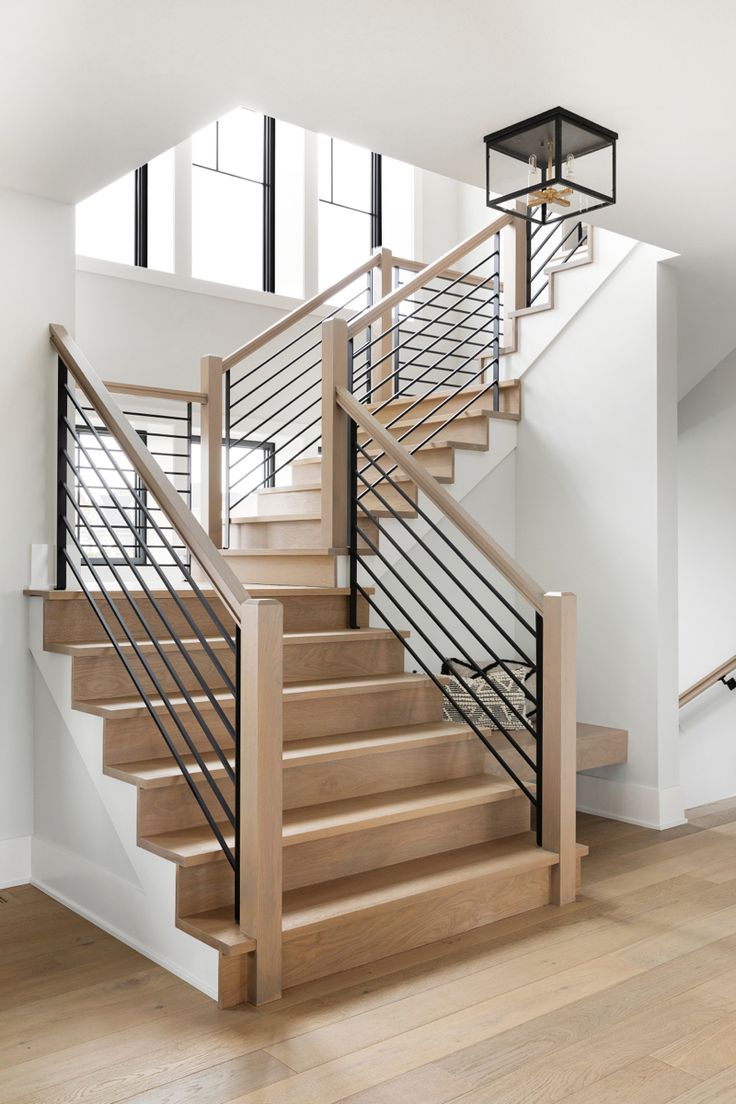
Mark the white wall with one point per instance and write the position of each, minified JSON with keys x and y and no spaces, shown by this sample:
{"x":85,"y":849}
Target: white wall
{"x":596,"y":515}
{"x":707,"y":595}
{"x":36,"y":287}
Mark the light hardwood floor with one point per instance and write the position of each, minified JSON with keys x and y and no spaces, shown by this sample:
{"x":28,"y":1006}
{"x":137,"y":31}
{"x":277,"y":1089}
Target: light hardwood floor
{"x":626,"y":996}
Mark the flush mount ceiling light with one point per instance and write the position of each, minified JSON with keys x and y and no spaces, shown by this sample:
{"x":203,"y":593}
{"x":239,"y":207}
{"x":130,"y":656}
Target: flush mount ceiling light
{"x":553,"y":166}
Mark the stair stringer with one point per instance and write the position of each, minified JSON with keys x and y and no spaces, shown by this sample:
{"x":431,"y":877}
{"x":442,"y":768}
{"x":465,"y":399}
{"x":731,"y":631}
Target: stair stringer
{"x":140,"y":912}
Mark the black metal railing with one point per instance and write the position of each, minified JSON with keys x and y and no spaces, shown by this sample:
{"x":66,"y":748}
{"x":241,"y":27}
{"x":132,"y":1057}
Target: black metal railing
{"x":168,"y":434}
{"x":278,"y":403}
{"x":175,"y":641}
{"x":550,"y":245}
{"x":442,"y":329}
{"x":417,"y":571}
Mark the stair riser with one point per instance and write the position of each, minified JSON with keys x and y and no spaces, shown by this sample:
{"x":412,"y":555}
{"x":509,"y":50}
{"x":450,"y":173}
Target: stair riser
{"x":469,"y":433}
{"x":346,"y":943}
{"x":132,"y":739}
{"x":282,"y":534}
{"x":380,"y":772}
{"x":99,"y":677}
{"x":286,"y":570}
{"x":166,"y":808}
{"x":440,"y":462}
{"x":211,"y":885}
{"x":415,"y":704}
{"x":306,"y":501}
{"x":128,"y":739}
{"x":425,"y":406}
{"x":75,"y":622}
{"x":307,"y":473}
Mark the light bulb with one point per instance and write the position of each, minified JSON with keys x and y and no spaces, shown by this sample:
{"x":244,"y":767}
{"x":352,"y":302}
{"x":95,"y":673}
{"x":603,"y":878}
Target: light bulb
{"x":534,"y":177}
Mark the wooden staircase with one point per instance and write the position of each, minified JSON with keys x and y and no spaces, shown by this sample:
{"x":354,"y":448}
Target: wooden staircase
{"x":399,"y":828}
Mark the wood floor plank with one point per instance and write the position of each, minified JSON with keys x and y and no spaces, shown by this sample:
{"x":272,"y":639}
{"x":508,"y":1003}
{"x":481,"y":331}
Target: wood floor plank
{"x":628,"y":995}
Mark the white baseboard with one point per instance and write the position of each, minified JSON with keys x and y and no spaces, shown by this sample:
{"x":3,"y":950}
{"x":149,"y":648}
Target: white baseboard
{"x":15,"y":861}
{"x":96,"y":884}
{"x":647,"y":806}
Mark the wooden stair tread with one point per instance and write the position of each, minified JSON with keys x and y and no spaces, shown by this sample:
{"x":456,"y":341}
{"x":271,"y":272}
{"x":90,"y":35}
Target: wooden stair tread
{"x":194,"y":845}
{"x":315,"y":906}
{"x":218,"y":643}
{"x":257,"y":590}
{"x":265,"y":519}
{"x":217,"y":928}
{"x":237,"y":553}
{"x":346,"y":745}
{"x":356,"y":813}
{"x":164,"y":771}
{"x":440,"y":396}
{"x":132,"y":706}
{"x":441,"y":416}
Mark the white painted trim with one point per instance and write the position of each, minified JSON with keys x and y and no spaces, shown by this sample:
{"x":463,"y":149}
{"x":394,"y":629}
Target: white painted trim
{"x":181,"y":282}
{"x":647,"y":806}
{"x":15,"y":861}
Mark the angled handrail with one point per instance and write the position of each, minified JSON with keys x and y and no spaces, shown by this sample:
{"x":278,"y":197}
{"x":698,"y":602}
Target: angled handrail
{"x":173,"y":394}
{"x":707,"y":681}
{"x":449,"y":506}
{"x":218,"y":571}
{"x":436,"y":268}
{"x":298,"y":313}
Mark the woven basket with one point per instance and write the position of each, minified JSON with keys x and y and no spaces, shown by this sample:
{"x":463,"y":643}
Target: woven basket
{"x":494,"y":711}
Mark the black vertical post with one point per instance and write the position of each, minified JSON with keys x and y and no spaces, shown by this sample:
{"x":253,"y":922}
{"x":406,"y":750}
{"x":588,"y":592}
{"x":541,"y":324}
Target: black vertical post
{"x":540,"y":724}
{"x":238,"y":761}
{"x":189,"y":469}
{"x":269,"y":203}
{"x":141,"y":217}
{"x":528,"y":302}
{"x":496,"y":323}
{"x":376,"y":201}
{"x":61,"y":475}
{"x":352,"y":504}
{"x":396,"y":337}
{"x":226,"y":473}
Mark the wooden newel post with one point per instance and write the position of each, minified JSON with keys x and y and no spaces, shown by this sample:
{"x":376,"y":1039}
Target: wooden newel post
{"x":335,"y":435}
{"x":559,"y":737}
{"x":261,"y":801}
{"x":211,"y":451}
{"x":383,"y":286}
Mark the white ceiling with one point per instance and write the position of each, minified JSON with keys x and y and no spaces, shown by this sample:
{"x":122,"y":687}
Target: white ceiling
{"x":91,"y":89}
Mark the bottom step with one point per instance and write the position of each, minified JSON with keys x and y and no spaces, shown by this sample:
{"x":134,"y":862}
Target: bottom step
{"x":347,"y":922}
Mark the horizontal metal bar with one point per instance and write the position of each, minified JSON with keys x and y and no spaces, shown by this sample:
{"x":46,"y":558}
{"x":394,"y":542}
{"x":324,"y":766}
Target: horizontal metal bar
{"x":441,"y":625}
{"x":478,"y":732}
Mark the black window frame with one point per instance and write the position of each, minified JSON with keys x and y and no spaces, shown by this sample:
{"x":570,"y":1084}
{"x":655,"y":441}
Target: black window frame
{"x":268,"y":184}
{"x":138,"y":510}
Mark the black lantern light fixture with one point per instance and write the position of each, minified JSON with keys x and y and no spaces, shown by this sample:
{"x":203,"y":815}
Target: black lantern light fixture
{"x":553,"y":166}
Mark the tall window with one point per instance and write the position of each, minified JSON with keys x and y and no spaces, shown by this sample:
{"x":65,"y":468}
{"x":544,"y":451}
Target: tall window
{"x":349,"y":206}
{"x":253,"y":221}
{"x":229,"y":186}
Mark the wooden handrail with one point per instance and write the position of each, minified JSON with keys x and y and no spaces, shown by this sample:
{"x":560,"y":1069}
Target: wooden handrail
{"x":444,"y":501}
{"x":450,"y":273}
{"x":437,"y":268}
{"x":215,"y":567}
{"x":296,"y":315}
{"x":121,"y":388}
{"x":707,"y":681}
